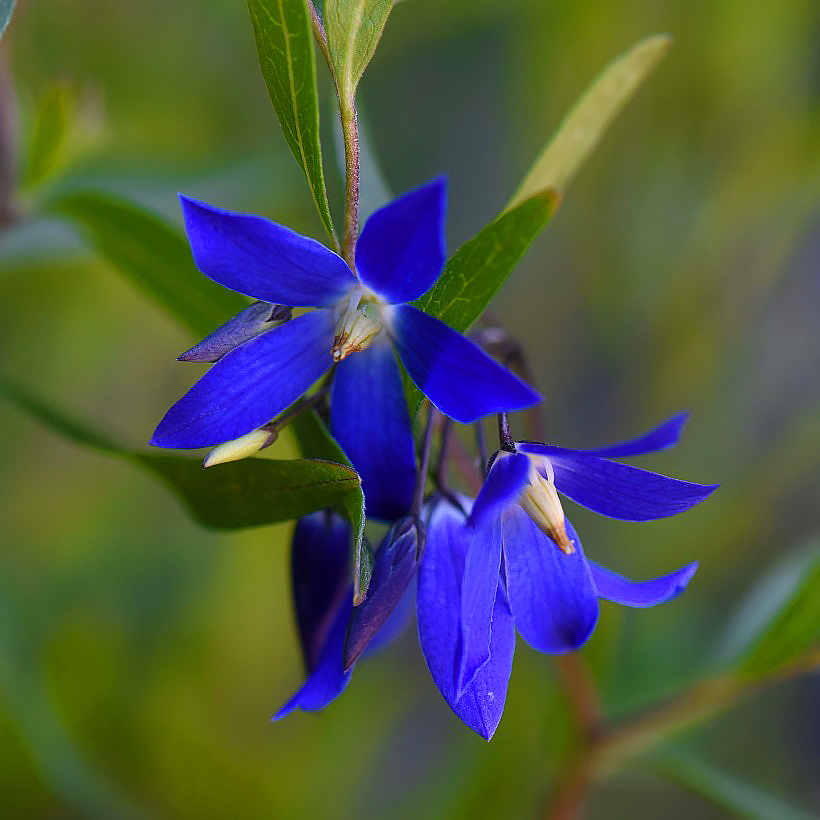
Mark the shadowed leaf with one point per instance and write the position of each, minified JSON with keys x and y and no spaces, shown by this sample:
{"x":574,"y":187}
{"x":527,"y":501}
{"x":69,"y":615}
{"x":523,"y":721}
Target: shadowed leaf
{"x":153,"y":255}
{"x":230,"y":496}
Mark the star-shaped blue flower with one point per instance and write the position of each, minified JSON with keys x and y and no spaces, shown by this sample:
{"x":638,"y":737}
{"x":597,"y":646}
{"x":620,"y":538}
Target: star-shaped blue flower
{"x":360,"y":319}
{"x":496,"y":572}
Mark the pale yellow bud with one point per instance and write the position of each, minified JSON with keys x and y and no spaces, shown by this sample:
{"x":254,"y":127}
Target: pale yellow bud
{"x":541,"y":502}
{"x":243,"y":447}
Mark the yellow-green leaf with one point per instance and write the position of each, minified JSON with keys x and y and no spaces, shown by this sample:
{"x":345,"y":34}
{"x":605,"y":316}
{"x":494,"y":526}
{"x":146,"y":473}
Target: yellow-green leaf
{"x":354,"y":28}
{"x":585,"y":124}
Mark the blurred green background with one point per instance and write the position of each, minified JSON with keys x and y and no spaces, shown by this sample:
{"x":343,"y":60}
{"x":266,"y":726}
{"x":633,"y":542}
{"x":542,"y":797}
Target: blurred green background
{"x":140,"y":657}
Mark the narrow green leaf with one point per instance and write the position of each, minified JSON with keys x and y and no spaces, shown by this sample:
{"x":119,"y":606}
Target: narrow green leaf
{"x":153,"y":255}
{"x":230,"y":496}
{"x":763,"y":603}
{"x":48,"y":135}
{"x":724,"y":790}
{"x":314,"y":441}
{"x":354,"y":28}
{"x":479,"y":267}
{"x":585,"y":124}
{"x":794,"y":631}
{"x":284,"y":42}
{"x":6,"y":9}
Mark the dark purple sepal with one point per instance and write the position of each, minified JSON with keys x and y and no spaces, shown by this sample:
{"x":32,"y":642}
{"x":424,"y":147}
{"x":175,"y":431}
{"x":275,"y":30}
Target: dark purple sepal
{"x":320,"y":552}
{"x":255,"y":319}
{"x":396,"y":562}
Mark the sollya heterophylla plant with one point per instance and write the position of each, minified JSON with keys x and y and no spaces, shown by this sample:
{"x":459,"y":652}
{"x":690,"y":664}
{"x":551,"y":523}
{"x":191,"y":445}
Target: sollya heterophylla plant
{"x":379,"y":339}
{"x":506,"y":561}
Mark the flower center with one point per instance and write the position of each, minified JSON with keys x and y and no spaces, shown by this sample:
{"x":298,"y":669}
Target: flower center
{"x":359,"y":324}
{"x":540,"y":501}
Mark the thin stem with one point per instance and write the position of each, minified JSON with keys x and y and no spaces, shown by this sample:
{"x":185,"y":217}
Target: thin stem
{"x":581,"y":692}
{"x":481,"y":445}
{"x":424,"y":465}
{"x":505,"y":439}
{"x":8,"y":146}
{"x":350,"y":133}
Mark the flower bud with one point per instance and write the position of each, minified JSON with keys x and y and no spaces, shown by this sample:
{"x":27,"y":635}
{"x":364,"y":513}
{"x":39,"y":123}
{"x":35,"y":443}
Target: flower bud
{"x":243,"y":447}
{"x":541,"y":502}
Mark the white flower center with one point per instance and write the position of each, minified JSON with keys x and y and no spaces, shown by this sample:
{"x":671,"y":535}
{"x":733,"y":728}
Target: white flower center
{"x":360,"y":323}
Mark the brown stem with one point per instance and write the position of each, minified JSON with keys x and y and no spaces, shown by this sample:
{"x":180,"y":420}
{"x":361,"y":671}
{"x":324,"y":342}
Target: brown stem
{"x":350,"y":133}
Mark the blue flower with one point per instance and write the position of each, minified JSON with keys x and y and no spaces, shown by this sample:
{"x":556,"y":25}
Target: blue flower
{"x":323,"y":603}
{"x":515,"y":564}
{"x":399,"y":256}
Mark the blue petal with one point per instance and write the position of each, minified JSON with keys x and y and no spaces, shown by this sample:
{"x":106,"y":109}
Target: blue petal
{"x":552,"y":598}
{"x":251,"y":385}
{"x":502,"y":486}
{"x":620,"y":490}
{"x":457,"y":376}
{"x":255,"y":319}
{"x":328,"y":680}
{"x":262,"y":259}
{"x":320,"y":552}
{"x":370,"y":421}
{"x":621,"y":590}
{"x":439,"y":623}
{"x":395,"y":624}
{"x":662,"y":437}
{"x":400,"y":252}
{"x":395,"y":566}
{"x":479,"y":586}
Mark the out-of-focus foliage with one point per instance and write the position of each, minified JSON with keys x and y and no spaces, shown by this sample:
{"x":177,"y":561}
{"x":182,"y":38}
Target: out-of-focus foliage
{"x":140,"y":656}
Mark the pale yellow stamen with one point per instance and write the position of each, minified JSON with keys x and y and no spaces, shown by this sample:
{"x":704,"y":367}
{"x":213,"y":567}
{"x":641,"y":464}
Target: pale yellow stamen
{"x":541,"y":502}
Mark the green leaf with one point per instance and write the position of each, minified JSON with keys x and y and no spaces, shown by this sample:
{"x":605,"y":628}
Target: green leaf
{"x":253,"y":491}
{"x":585,"y":124}
{"x":284,"y":42}
{"x":354,"y":28}
{"x":49,"y":135}
{"x":153,"y":255}
{"x":724,"y":790}
{"x":479,"y":267}
{"x":792,"y":633}
{"x":235,"y":495}
{"x":314,"y":441}
{"x":6,"y":9}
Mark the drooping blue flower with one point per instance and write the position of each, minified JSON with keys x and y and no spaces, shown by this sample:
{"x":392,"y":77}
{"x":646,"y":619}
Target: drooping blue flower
{"x":323,"y":603}
{"x":399,"y":256}
{"x":515,"y":561}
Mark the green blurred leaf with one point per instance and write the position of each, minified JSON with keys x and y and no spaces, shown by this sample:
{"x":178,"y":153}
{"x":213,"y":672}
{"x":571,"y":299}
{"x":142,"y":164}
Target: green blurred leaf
{"x":479,"y":267}
{"x":153,"y":255}
{"x":724,"y":790}
{"x":763,"y":603}
{"x":585,"y":124}
{"x":314,"y":441}
{"x":793,"y":630}
{"x":48,"y":135}
{"x":6,"y":9}
{"x":284,"y":42}
{"x":235,"y":495}
{"x":354,"y":28}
